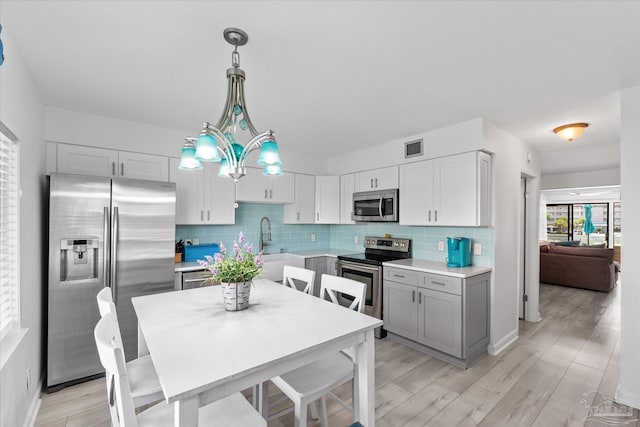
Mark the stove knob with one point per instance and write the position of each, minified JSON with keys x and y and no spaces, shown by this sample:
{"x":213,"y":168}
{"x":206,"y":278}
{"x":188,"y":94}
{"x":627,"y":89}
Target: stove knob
{"x":395,"y":244}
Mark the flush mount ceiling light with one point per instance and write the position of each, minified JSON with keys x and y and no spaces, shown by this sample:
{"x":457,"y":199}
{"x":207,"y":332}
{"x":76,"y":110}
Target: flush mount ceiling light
{"x":218,"y":143}
{"x":571,"y":131}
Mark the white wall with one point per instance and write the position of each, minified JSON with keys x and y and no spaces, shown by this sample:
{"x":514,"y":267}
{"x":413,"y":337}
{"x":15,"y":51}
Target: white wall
{"x":22,"y":112}
{"x":629,"y":386}
{"x":458,"y":138}
{"x":512,"y":159}
{"x":595,"y":178}
{"x":73,"y":127}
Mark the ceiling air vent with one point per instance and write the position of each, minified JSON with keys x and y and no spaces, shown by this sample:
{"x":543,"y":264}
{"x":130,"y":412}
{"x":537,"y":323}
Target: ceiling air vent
{"x":413,"y":148}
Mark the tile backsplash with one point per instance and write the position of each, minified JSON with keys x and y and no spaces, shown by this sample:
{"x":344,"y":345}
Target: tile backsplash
{"x":292,"y":237}
{"x":285,"y":237}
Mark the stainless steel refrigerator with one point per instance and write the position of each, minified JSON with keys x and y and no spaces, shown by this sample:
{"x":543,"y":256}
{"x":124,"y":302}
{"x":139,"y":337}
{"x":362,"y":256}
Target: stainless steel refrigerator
{"x":103,"y":232}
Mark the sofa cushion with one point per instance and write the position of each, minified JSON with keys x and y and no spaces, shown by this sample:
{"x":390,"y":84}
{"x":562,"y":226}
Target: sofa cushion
{"x":582,"y":251}
{"x":567,"y":243}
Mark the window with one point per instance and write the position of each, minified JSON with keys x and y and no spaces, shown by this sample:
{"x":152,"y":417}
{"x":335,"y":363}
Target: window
{"x":9,"y":226}
{"x":566,"y":222}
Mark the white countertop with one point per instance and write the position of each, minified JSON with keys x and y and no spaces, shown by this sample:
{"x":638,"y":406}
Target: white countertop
{"x":435,"y":267}
{"x":188,"y":266}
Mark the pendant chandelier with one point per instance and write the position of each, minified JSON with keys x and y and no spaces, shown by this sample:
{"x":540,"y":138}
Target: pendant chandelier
{"x":218,"y":143}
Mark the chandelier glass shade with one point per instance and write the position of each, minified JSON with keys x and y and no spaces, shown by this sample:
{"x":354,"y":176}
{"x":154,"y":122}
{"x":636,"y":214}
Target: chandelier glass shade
{"x":218,"y":143}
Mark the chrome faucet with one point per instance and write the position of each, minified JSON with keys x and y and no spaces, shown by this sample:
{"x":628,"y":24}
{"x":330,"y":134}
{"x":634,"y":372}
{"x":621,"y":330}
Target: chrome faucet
{"x":262,"y":242}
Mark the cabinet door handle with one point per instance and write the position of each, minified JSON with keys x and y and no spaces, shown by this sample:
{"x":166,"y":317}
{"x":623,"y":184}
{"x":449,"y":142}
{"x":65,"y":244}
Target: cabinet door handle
{"x":317,"y":216}
{"x":399,"y":275}
{"x":265,"y":193}
{"x":298,"y":216}
{"x":419,"y":297}
{"x":413,"y":296}
{"x":208,"y":215}
{"x":271,"y":194}
{"x":376,"y":182}
{"x":122,"y":169}
{"x":429,"y":215}
{"x":201,"y":215}
{"x":436,"y":218}
{"x":438,"y":283}
{"x":113,"y":168}
{"x":371,"y":183}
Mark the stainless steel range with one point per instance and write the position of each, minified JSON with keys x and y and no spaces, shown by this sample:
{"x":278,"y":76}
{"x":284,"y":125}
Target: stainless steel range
{"x":367,"y":268}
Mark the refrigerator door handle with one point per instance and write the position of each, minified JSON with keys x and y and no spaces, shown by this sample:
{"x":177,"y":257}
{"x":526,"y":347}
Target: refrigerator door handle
{"x":106,"y":262}
{"x":114,"y":254}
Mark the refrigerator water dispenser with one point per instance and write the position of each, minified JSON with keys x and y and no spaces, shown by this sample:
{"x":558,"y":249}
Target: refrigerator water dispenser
{"x":78,"y":258}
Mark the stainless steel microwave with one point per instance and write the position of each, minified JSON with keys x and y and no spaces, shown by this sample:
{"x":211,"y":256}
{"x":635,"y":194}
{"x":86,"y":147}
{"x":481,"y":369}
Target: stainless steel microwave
{"x":375,"y":206}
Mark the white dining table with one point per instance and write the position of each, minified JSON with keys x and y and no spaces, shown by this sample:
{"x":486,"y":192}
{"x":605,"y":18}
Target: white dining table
{"x":203,"y":353}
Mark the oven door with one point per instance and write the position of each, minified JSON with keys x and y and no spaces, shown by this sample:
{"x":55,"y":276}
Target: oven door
{"x":371,"y":276}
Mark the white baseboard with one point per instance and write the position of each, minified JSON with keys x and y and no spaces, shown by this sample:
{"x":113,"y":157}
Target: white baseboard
{"x":496,"y":348}
{"x":32,"y":414}
{"x":630,"y":399}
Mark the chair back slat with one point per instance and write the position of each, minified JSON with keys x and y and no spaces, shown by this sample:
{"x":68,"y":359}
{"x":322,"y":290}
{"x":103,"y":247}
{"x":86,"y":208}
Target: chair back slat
{"x":331,"y":286}
{"x":290,"y":274}
{"x":105,"y":302}
{"x":111,"y":355}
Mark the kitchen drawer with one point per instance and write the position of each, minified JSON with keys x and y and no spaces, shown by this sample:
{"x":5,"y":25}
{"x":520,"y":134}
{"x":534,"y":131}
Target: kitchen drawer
{"x":437,"y":282}
{"x":195,"y":279}
{"x":400,"y":275}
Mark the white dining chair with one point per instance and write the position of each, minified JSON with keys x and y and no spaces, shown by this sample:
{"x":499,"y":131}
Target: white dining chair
{"x":292,"y":274}
{"x":311,"y":382}
{"x":232,"y":411}
{"x":143,"y":380}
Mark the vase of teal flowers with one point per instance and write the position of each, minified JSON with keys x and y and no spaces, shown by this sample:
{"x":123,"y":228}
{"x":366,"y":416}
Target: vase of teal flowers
{"x":235,"y":271}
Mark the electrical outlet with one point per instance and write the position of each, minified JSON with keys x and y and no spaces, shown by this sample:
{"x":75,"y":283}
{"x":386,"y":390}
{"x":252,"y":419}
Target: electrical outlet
{"x":28,"y":378}
{"x":441,"y":246}
{"x":313,"y":237}
{"x":355,"y":239}
{"x":196,"y":241}
{"x":477,"y":249}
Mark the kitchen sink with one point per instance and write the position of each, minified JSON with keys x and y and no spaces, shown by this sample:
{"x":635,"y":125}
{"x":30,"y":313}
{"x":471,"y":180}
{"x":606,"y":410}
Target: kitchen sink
{"x":274,"y":264}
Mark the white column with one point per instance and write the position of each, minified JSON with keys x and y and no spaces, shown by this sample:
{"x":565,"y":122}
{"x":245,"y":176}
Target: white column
{"x":628,"y":391}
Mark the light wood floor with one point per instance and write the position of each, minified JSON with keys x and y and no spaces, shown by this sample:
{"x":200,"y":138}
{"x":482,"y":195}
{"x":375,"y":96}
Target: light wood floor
{"x":538,"y":381}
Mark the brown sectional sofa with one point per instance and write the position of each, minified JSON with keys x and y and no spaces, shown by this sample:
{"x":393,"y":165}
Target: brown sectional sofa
{"x":578,"y":267}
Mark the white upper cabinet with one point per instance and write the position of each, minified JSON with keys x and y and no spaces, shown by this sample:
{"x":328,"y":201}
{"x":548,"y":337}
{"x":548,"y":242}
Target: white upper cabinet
{"x":448,"y":191}
{"x":416,"y":193}
{"x":202,"y":197}
{"x":259,"y":188}
{"x":347,"y":185}
{"x":143,"y":166}
{"x":302,"y":210}
{"x":377,"y":179}
{"x":82,"y":160}
{"x":78,"y":159}
{"x":327,"y":199}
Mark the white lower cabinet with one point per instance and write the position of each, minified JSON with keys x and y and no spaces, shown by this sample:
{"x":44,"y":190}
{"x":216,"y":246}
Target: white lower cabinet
{"x":444,"y":316}
{"x":202,"y":197}
{"x":83,"y":160}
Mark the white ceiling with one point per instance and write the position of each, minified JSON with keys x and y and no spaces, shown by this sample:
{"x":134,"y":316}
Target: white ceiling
{"x":331,"y":76}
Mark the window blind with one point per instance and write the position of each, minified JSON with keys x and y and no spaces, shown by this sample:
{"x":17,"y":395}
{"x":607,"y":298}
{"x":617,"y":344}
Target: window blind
{"x":9,"y":245}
